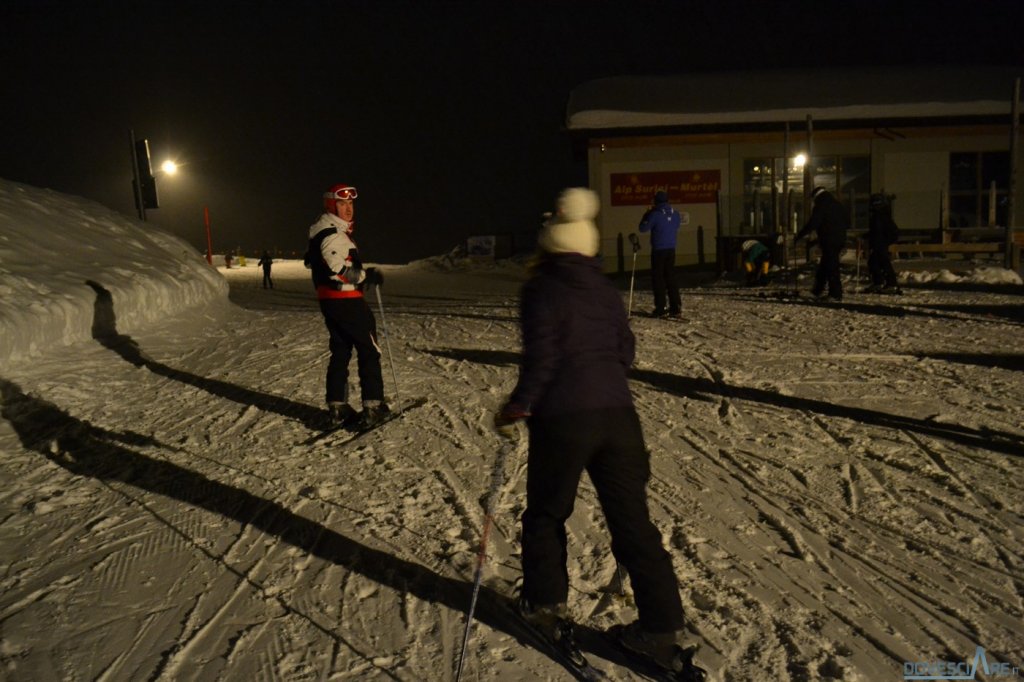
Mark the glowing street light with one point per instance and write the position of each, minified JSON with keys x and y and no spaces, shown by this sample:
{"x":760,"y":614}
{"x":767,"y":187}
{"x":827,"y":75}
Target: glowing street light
{"x":799,"y":160}
{"x":169,"y":167}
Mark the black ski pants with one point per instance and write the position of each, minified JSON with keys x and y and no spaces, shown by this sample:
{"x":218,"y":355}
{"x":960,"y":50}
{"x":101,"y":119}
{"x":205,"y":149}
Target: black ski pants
{"x":828,"y":268}
{"x":351,"y":325}
{"x":880,"y":265}
{"x":663,"y":279}
{"x":609,"y":446}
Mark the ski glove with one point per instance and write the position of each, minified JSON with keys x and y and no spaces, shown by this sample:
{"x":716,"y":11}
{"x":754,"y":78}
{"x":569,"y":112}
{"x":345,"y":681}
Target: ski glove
{"x":374,"y":276}
{"x":506,"y":418}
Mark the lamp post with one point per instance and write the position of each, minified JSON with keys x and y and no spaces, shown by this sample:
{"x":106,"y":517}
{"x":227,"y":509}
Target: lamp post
{"x":143,"y":181}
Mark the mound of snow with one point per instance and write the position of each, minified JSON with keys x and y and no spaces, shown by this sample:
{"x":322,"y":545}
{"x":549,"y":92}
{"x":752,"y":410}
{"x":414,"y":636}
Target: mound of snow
{"x":980,"y":275}
{"x":58,"y":253}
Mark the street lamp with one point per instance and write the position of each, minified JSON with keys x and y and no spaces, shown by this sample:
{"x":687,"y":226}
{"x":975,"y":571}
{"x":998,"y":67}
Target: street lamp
{"x":169,"y":167}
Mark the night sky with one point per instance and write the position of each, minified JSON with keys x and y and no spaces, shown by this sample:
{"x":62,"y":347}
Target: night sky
{"x":447,"y":116}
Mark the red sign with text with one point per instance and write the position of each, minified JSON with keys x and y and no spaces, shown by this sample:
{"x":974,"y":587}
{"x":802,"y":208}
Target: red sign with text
{"x":683,"y":187}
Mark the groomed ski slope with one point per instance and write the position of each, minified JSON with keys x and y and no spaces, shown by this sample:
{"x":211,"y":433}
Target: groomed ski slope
{"x":840,"y":488}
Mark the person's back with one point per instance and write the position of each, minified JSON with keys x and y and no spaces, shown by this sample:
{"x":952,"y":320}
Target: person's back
{"x":583,"y":365}
{"x":829,"y":219}
{"x":572,"y":389}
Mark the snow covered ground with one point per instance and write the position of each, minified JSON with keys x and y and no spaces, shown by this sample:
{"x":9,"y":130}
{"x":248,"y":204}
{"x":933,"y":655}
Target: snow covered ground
{"x":839,"y":485}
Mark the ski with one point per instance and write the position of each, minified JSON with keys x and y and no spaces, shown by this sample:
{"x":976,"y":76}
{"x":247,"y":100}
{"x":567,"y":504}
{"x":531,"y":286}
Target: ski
{"x":354,"y":434}
{"x":684,"y":668}
{"x":562,"y":647}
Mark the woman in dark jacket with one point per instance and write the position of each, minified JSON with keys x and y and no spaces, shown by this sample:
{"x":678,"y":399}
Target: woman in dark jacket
{"x":572,"y":388}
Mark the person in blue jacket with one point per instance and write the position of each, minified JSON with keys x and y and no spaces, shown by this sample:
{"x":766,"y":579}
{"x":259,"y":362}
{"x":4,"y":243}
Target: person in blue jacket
{"x":663,"y":221}
{"x":573,"y":392}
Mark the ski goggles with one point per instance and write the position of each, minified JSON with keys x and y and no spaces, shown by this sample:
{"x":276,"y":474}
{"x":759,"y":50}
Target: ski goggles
{"x":344,"y":193}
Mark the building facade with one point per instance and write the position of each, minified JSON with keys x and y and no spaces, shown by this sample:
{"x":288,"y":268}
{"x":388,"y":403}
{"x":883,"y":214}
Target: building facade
{"x":739,"y":152}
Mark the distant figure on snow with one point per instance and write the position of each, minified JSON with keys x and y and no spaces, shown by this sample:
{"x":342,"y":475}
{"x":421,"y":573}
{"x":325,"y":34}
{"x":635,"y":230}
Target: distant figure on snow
{"x":266,"y":261}
{"x":339,"y":278}
{"x":573,"y":392}
{"x":227,"y":260}
{"x":882,"y":233}
{"x":830,"y":221}
{"x":663,"y":221}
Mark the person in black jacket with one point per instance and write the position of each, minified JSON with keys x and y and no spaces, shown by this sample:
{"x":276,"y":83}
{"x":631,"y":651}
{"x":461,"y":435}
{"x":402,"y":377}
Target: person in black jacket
{"x":882,"y":233}
{"x":830,"y":221}
{"x":573,"y":392}
{"x":266,"y":262}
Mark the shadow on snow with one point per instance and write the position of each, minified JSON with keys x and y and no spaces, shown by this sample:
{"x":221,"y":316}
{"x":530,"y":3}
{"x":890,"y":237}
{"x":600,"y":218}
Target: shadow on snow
{"x":709,"y":390}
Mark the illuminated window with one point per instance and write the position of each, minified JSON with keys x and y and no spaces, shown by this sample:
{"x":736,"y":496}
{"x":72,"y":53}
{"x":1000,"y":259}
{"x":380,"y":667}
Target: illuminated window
{"x":848,"y":177}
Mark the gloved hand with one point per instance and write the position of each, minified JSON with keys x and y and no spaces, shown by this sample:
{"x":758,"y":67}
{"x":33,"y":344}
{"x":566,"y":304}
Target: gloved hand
{"x":374,"y":276}
{"x":505,"y":420}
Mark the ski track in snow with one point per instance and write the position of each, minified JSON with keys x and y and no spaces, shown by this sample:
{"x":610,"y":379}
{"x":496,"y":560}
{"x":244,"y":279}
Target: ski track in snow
{"x":839,"y":488}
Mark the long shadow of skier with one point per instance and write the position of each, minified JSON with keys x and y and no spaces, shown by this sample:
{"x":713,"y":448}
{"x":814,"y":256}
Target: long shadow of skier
{"x":87,"y":450}
{"x":711,"y":391}
{"x":702,"y":388}
{"x":1012,"y":361}
{"x":104,"y":330}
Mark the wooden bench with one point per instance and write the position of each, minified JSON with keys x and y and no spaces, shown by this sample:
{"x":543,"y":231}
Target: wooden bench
{"x":957,"y":247}
{"x":952,"y":247}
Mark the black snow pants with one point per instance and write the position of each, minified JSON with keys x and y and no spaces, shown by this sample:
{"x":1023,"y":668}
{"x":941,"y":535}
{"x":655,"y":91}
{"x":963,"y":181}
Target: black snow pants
{"x":828,"y":268}
{"x":663,"y":263}
{"x":351,"y":325}
{"x":609,"y":446}
{"x":880,"y":265}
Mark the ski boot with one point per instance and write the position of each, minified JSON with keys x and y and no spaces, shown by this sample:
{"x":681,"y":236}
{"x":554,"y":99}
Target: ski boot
{"x":553,"y":624}
{"x":342,"y":415}
{"x":543,"y":619}
{"x":665,"y":650}
{"x":374,"y":412}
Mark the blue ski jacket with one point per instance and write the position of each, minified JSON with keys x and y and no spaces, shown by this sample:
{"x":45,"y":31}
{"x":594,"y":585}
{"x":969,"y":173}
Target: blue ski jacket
{"x":662,"y":222}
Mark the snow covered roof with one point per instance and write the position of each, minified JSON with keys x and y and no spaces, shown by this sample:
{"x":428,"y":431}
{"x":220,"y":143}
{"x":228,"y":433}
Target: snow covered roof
{"x":752,"y":97}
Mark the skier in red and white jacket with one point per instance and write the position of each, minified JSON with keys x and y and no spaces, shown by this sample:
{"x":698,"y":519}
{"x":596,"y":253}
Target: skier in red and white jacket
{"x":339,"y":278}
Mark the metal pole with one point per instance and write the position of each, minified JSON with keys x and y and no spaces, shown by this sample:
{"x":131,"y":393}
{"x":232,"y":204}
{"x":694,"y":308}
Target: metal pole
{"x":209,"y":239}
{"x":497,"y":478}
{"x":387,"y":343}
{"x":136,"y":179}
{"x":808,"y":176}
{"x":632,"y":276}
{"x":1011,"y":216}
{"x":785,"y":178}
{"x":635,"y":243}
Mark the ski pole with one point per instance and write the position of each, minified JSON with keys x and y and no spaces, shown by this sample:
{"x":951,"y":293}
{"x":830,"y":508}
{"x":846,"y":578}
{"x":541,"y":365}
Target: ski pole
{"x":497,"y":478}
{"x":635,"y":241}
{"x":387,"y":344}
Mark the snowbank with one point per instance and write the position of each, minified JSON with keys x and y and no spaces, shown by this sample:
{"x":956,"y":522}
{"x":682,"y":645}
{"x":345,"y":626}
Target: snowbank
{"x":981,"y":275}
{"x":59,"y":253}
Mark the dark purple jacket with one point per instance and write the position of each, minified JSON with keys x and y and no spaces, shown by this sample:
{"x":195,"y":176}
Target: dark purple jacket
{"x":577,"y":345}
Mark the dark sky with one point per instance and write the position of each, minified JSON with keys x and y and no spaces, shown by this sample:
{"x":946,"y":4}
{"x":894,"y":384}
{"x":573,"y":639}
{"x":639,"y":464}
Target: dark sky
{"x":448,"y":116}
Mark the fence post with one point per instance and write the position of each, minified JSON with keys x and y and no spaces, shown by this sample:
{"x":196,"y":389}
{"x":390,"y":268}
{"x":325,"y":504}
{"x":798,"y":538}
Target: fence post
{"x":1011,"y":217}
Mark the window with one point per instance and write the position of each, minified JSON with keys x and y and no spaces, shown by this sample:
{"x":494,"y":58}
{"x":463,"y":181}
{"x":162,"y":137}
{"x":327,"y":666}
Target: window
{"x":971,"y":175}
{"x":848,"y":177}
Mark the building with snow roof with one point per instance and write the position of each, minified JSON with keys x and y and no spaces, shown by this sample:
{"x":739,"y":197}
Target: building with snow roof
{"x":732,"y":149}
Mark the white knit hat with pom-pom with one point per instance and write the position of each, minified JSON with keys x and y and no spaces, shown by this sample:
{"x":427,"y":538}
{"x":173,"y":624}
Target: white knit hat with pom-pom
{"x":572,"y":228}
